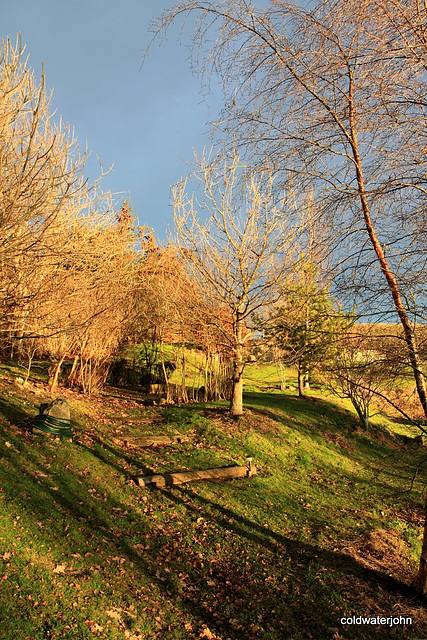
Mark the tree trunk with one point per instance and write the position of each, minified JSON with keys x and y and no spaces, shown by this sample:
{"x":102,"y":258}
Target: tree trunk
{"x":208,"y":379}
{"x":282,"y":374}
{"x":389,"y":276}
{"x":408,"y":331}
{"x":54,"y":382}
{"x":306,"y":378}
{"x":184,"y":393}
{"x":421,"y":578}
{"x":300,"y":382}
{"x":236,"y":404}
{"x":71,"y":379}
{"x":31,"y":355}
{"x":165,"y":375}
{"x":363,"y":416}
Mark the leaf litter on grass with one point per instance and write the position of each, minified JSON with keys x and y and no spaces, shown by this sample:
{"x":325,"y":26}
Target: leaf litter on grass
{"x":220,"y":559}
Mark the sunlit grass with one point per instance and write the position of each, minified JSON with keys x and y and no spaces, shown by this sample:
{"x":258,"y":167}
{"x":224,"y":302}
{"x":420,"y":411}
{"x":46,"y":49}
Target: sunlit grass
{"x":86,"y":553}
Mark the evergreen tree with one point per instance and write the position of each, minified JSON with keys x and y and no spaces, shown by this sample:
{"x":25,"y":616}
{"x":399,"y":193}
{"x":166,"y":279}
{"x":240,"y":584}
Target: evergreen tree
{"x":307,"y":323}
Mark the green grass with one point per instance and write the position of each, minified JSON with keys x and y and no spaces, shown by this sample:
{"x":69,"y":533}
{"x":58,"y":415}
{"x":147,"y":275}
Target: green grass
{"x":259,"y":376}
{"x":326,"y":529}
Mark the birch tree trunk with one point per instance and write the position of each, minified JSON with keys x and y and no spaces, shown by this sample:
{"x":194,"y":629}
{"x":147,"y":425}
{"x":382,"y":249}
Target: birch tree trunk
{"x":236,"y":403}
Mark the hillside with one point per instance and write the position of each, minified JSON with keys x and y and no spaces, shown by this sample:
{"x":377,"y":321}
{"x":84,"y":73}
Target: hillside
{"x":327,"y":529}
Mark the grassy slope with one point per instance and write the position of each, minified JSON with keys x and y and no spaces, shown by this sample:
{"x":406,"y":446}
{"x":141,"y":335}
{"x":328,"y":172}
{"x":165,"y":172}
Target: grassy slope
{"x":327,"y":528}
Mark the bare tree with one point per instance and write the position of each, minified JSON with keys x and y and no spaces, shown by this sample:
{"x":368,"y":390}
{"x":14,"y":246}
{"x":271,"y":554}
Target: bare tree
{"x":357,"y":371}
{"x":47,"y":208}
{"x":239,"y":240}
{"x":335,"y":95}
{"x":97,"y":282}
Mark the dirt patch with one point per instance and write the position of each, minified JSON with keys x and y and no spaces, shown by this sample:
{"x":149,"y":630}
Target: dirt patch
{"x":382,"y":550}
{"x":261,"y":423}
{"x":251,"y":420}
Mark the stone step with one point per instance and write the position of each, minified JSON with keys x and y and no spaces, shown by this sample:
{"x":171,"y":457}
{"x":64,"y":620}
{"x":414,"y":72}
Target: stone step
{"x":149,"y":441}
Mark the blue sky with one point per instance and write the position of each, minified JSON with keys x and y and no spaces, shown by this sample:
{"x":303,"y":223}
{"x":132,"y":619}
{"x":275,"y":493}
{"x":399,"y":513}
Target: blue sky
{"x":145,"y":120}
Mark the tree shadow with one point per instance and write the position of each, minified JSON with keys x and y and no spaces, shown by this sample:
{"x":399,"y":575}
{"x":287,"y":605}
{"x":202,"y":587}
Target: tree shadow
{"x":15,"y":415}
{"x":301,"y":556}
{"x":103,"y":452}
{"x":302,"y":408}
{"x":262,"y":536}
{"x":235,"y":595}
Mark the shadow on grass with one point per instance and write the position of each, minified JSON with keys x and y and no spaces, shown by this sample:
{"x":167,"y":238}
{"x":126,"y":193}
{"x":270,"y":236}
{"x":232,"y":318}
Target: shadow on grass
{"x":293,"y":601}
{"x":311,"y":415}
{"x":275,"y":542}
{"x":107,"y":454}
{"x":14,"y":414}
{"x":302,"y":409}
{"x":266,"y":586}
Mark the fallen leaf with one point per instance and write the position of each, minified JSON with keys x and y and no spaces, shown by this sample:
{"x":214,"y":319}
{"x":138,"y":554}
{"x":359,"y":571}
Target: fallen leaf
{"x":114,"y":614}
{"x":94,"y":626}
{"x":60,"y":568}
{"x":40,"y":474}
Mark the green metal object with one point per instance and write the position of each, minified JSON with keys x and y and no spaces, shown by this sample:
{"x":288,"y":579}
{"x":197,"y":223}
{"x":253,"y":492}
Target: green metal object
{"x":49,"y":424}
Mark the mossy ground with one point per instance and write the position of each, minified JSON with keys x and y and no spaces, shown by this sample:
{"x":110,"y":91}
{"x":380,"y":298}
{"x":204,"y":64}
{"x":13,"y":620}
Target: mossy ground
{"x":328,"y":528}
